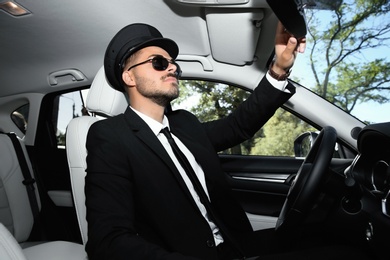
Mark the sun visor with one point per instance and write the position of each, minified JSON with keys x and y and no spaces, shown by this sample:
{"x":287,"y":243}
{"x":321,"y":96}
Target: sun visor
{"x":234,"y":35}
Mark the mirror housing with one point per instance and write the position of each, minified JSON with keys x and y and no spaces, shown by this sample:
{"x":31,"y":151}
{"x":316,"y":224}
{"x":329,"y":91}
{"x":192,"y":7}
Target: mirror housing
{"x":303,"y":143}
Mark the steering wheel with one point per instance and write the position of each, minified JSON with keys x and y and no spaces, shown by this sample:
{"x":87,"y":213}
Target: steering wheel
{"x":305,"y":189}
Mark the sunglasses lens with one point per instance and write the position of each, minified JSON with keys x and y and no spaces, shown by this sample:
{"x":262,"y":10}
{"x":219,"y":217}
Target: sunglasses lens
{"x":178,"y":71}
{"x":160,"y":63}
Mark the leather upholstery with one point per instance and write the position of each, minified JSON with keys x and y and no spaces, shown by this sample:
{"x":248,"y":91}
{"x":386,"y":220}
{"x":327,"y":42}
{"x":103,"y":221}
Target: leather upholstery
{"x":9,"y":247}
{"x":16,"y":218}
{"x":15,"y":211}
{"x":58,"y":250}
{"x":104,"y":101}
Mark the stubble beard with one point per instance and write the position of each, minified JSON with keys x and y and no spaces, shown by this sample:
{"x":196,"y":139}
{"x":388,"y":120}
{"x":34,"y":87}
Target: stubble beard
{"x":150,"y":90}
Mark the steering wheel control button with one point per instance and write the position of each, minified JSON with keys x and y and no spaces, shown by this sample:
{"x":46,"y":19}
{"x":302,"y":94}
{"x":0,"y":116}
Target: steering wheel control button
{"x":210,"y":243}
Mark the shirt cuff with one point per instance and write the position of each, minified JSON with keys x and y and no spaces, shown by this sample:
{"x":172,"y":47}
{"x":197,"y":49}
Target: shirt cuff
{"x":281,"y":85}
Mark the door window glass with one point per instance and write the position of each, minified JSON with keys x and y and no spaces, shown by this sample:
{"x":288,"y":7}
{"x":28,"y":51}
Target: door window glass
{"x":66,"y":107}
{"x":210,"y":101}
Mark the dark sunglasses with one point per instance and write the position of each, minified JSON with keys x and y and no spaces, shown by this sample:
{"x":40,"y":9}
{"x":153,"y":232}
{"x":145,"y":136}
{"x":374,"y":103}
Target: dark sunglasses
{"x":160,"y":63}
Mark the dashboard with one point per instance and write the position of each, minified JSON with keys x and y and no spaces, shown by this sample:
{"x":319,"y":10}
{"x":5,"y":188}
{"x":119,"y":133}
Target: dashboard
{"x":369,"y":174}
{"x":371,"y":167}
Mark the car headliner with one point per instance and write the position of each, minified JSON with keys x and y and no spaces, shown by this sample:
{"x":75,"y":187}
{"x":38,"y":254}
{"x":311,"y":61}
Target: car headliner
{"x":61,"y":35}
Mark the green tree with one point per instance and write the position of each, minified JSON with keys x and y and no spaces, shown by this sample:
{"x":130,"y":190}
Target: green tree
{"x":211,"y":101}
{"x":358,"y":27}
{"x":214,"y":101}
{"x":280,"y":132}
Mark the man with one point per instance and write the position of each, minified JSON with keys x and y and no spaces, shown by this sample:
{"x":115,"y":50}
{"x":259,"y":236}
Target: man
{"x":141,"y":204}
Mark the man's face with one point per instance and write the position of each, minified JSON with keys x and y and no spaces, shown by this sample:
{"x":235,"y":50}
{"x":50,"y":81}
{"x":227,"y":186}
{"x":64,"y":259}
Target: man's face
{"x":161,"y":86}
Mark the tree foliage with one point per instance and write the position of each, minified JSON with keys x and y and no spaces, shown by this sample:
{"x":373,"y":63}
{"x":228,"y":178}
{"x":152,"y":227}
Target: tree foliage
{"x":280,"y":132}
{"x":341,"y":52}
{"x":211,"y":101}
{"x":214,"y":101}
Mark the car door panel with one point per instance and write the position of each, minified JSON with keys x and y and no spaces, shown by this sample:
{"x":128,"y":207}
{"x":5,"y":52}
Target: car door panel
{"x":260,"y":183}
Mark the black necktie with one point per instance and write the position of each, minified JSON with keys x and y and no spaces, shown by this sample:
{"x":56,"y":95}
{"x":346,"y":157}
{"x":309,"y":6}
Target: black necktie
{"x":197,"y":185}
{"x":188,"y":169}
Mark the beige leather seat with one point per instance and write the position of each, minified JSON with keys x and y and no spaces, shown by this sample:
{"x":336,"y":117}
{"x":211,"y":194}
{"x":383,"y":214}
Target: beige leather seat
{"x":104,"y":101}
{"x":16,"y":216}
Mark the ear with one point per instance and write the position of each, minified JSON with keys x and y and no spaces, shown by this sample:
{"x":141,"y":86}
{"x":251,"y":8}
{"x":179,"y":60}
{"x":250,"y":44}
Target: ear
{"x":128,"y":78}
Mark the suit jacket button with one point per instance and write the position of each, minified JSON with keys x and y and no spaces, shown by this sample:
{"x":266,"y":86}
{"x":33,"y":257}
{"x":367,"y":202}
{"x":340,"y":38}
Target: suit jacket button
{"x":210,"y":243}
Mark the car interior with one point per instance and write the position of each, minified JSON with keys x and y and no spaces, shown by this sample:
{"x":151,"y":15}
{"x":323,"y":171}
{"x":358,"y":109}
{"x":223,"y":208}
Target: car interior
{"x":330,"y":186}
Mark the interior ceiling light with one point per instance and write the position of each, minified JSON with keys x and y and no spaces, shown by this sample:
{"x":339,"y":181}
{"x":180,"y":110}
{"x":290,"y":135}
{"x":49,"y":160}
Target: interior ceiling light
{"x":14,"y":8}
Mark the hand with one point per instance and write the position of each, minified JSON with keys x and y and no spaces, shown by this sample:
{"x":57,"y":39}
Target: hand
{"x":286,"y":49}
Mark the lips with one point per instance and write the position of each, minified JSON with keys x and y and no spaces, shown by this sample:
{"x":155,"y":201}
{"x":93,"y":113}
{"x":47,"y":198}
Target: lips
{"x":170,"y":77}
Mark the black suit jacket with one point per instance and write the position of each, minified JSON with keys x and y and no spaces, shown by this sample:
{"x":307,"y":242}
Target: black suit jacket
{"x":138,"y":206}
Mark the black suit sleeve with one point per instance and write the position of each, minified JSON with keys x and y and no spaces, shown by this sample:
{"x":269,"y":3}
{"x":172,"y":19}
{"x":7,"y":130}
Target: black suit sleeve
{"x":249,"y":117}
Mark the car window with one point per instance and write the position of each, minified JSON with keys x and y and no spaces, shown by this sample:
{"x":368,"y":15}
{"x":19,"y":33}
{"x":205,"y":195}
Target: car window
{"x":210,"y":101}
{"x":66,"y":107}
{"x":346,"y":59}
{"x":283,"y":135}
{"x":20,"y":117}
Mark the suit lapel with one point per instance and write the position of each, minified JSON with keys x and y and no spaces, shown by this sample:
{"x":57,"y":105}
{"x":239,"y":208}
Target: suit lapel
{"x":142,"y":131}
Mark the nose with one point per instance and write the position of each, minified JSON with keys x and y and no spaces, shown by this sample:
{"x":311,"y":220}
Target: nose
{"x":174,"y":66}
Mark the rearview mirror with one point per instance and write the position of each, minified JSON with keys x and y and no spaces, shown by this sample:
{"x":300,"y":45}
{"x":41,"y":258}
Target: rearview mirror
{"x":290,"y":13}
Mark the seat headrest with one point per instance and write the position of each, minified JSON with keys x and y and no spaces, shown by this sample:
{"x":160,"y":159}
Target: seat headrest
{"x":104,"y":100}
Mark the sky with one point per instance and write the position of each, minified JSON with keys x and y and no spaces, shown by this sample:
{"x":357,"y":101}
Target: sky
{"x":367,"y":112}
{"x":371,"y":112}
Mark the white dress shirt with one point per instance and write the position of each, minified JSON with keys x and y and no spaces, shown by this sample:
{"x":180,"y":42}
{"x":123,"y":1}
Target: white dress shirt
{"x":156,"y":127}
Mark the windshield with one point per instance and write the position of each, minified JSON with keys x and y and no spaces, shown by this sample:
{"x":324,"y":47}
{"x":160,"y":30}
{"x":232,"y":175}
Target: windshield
{"x":347,"y":56}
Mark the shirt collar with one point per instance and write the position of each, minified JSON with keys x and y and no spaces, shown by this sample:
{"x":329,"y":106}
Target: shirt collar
{"x":154,"y":125}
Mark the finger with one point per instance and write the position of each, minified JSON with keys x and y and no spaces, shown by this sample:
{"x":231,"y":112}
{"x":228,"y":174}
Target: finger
{"x":291,"y":47}
{"x":302,"y":45}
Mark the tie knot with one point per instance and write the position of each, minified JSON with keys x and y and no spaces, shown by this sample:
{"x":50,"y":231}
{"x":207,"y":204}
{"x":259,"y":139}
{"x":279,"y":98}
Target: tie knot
{"x":166,"y":132}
